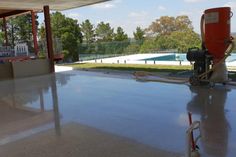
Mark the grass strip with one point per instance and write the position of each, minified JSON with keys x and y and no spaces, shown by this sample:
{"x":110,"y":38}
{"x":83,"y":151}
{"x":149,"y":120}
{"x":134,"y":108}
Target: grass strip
{"x":132,"y":67}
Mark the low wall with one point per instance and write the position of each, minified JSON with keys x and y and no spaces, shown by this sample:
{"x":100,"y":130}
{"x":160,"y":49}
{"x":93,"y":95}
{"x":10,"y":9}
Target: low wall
{"x":30,"y":68}
{"x":6,"y":71}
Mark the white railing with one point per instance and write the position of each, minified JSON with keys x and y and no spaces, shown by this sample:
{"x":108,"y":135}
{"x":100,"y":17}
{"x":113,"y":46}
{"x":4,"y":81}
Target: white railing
{"x":21,"y":49}
{"x":6,"y":51}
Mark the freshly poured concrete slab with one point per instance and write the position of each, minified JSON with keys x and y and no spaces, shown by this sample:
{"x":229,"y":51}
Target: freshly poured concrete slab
{"x":77,"y":140}
{"x":149,"y":113}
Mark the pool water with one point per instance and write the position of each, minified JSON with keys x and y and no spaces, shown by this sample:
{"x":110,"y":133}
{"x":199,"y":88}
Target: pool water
{"x":182,"y":57}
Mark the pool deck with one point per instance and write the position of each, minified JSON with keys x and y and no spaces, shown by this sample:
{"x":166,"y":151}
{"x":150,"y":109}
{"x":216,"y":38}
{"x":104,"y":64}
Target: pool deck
{"x":91,"y":114}
{"x":137,"y":59}
{"x":140,"y":59}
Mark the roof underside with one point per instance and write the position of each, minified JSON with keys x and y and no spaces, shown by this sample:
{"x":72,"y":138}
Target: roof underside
{"x":14,"y":7}
{"x":38,"y":4}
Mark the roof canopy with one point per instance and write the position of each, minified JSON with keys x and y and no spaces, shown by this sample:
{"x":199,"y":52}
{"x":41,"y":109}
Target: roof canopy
{"x":11,"y":7}
{"x":38,"y":4}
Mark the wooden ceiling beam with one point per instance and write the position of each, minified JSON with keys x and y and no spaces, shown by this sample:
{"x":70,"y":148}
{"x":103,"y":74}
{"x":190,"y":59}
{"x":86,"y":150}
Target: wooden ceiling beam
{"x":13,"y":12}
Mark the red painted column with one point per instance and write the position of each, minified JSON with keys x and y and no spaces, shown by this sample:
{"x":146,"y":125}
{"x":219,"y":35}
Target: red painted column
{"x":34,"y":32}
{"x":49,"y":37}
{"x":5,"y":31}
{"x":192,"y":138}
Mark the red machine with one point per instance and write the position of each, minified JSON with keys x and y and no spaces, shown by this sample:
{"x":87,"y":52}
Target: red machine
{"x":217,"y":31}
{"x":209,"y":62}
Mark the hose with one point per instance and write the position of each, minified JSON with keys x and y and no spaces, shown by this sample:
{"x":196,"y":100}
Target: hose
{"x":203,"y":31}
{"x":227,"y":54}
{"x":142,"y":76}
{"x":195,"y":125}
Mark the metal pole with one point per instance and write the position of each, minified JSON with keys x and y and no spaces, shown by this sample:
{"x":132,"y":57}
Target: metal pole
{"x":49,"y":37}
{"x":34,"y":32}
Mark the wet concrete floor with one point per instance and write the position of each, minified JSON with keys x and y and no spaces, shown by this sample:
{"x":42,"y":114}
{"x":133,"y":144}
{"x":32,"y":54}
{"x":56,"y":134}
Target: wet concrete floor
{"x":147,"y":116}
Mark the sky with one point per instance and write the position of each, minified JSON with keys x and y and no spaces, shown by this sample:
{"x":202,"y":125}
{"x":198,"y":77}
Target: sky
{"x":132,"y":13}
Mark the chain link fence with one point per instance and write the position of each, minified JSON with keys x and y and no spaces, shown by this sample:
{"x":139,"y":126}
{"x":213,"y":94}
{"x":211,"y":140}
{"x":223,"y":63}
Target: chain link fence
{"x":101,"y":50}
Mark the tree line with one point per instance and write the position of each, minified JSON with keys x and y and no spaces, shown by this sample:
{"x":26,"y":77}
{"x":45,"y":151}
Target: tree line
{"x":19,"y":29}
{"x":165,"y":33}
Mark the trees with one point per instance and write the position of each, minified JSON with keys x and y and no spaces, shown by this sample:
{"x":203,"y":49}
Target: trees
{"x":62,"y":24}
{"x":183,"y":23}
{"x":42,"y":33}
{"x":88,"y":31}
{"x":149,"y":46}
{"x":1,"y":38}
{"x":165,"y":42}
{"x":134,"y":46}
{"x":174,"y":33}
{"x":162,"y":26}
{"x":1,"y":32}
{"x":120,"y":35}
{"x":71,"y":37}
{"x":139,"y":34}
{"x":166,"y":33}
{"x":12,"y":31}
{"x":70,"y":46}
{"x":58,"y":24}
{"x":104,"y":32}
{"x":179,"y":40}
{"x":182,"y":41}
{"x":21,"y":27}
{"x":165,"y":25}
{"x":68,"y":31}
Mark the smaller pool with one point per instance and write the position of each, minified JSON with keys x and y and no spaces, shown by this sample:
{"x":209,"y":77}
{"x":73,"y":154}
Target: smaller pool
{"x":182,"y":57}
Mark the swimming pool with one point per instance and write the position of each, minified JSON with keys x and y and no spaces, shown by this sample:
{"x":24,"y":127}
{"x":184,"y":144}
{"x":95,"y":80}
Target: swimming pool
{"x":181,"y":57}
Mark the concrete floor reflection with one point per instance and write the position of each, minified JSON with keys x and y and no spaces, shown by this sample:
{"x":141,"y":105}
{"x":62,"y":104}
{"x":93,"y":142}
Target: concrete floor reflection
{"x":209,"y":104}
{"x":36,"y":130}
{"x":19,"y":120}
{"x":72,"y":112}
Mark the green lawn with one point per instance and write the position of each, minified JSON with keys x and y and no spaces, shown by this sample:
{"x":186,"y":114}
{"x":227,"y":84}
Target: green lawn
{"x":132,"y":67}
{"x":138,"y":67}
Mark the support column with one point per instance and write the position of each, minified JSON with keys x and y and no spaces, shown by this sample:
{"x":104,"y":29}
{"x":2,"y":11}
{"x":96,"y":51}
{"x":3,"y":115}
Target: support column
{"x":5,"y":31}
{"x":49,"y":37}
{"x":57,"y":123}
{"x":34,"y":32}
{"x":41,"y":100}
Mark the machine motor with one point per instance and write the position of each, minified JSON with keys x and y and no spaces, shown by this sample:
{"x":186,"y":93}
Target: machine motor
{"x":202,"y":62}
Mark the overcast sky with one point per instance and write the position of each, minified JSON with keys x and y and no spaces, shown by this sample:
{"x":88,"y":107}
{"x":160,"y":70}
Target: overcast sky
{"x":132,"y":13}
